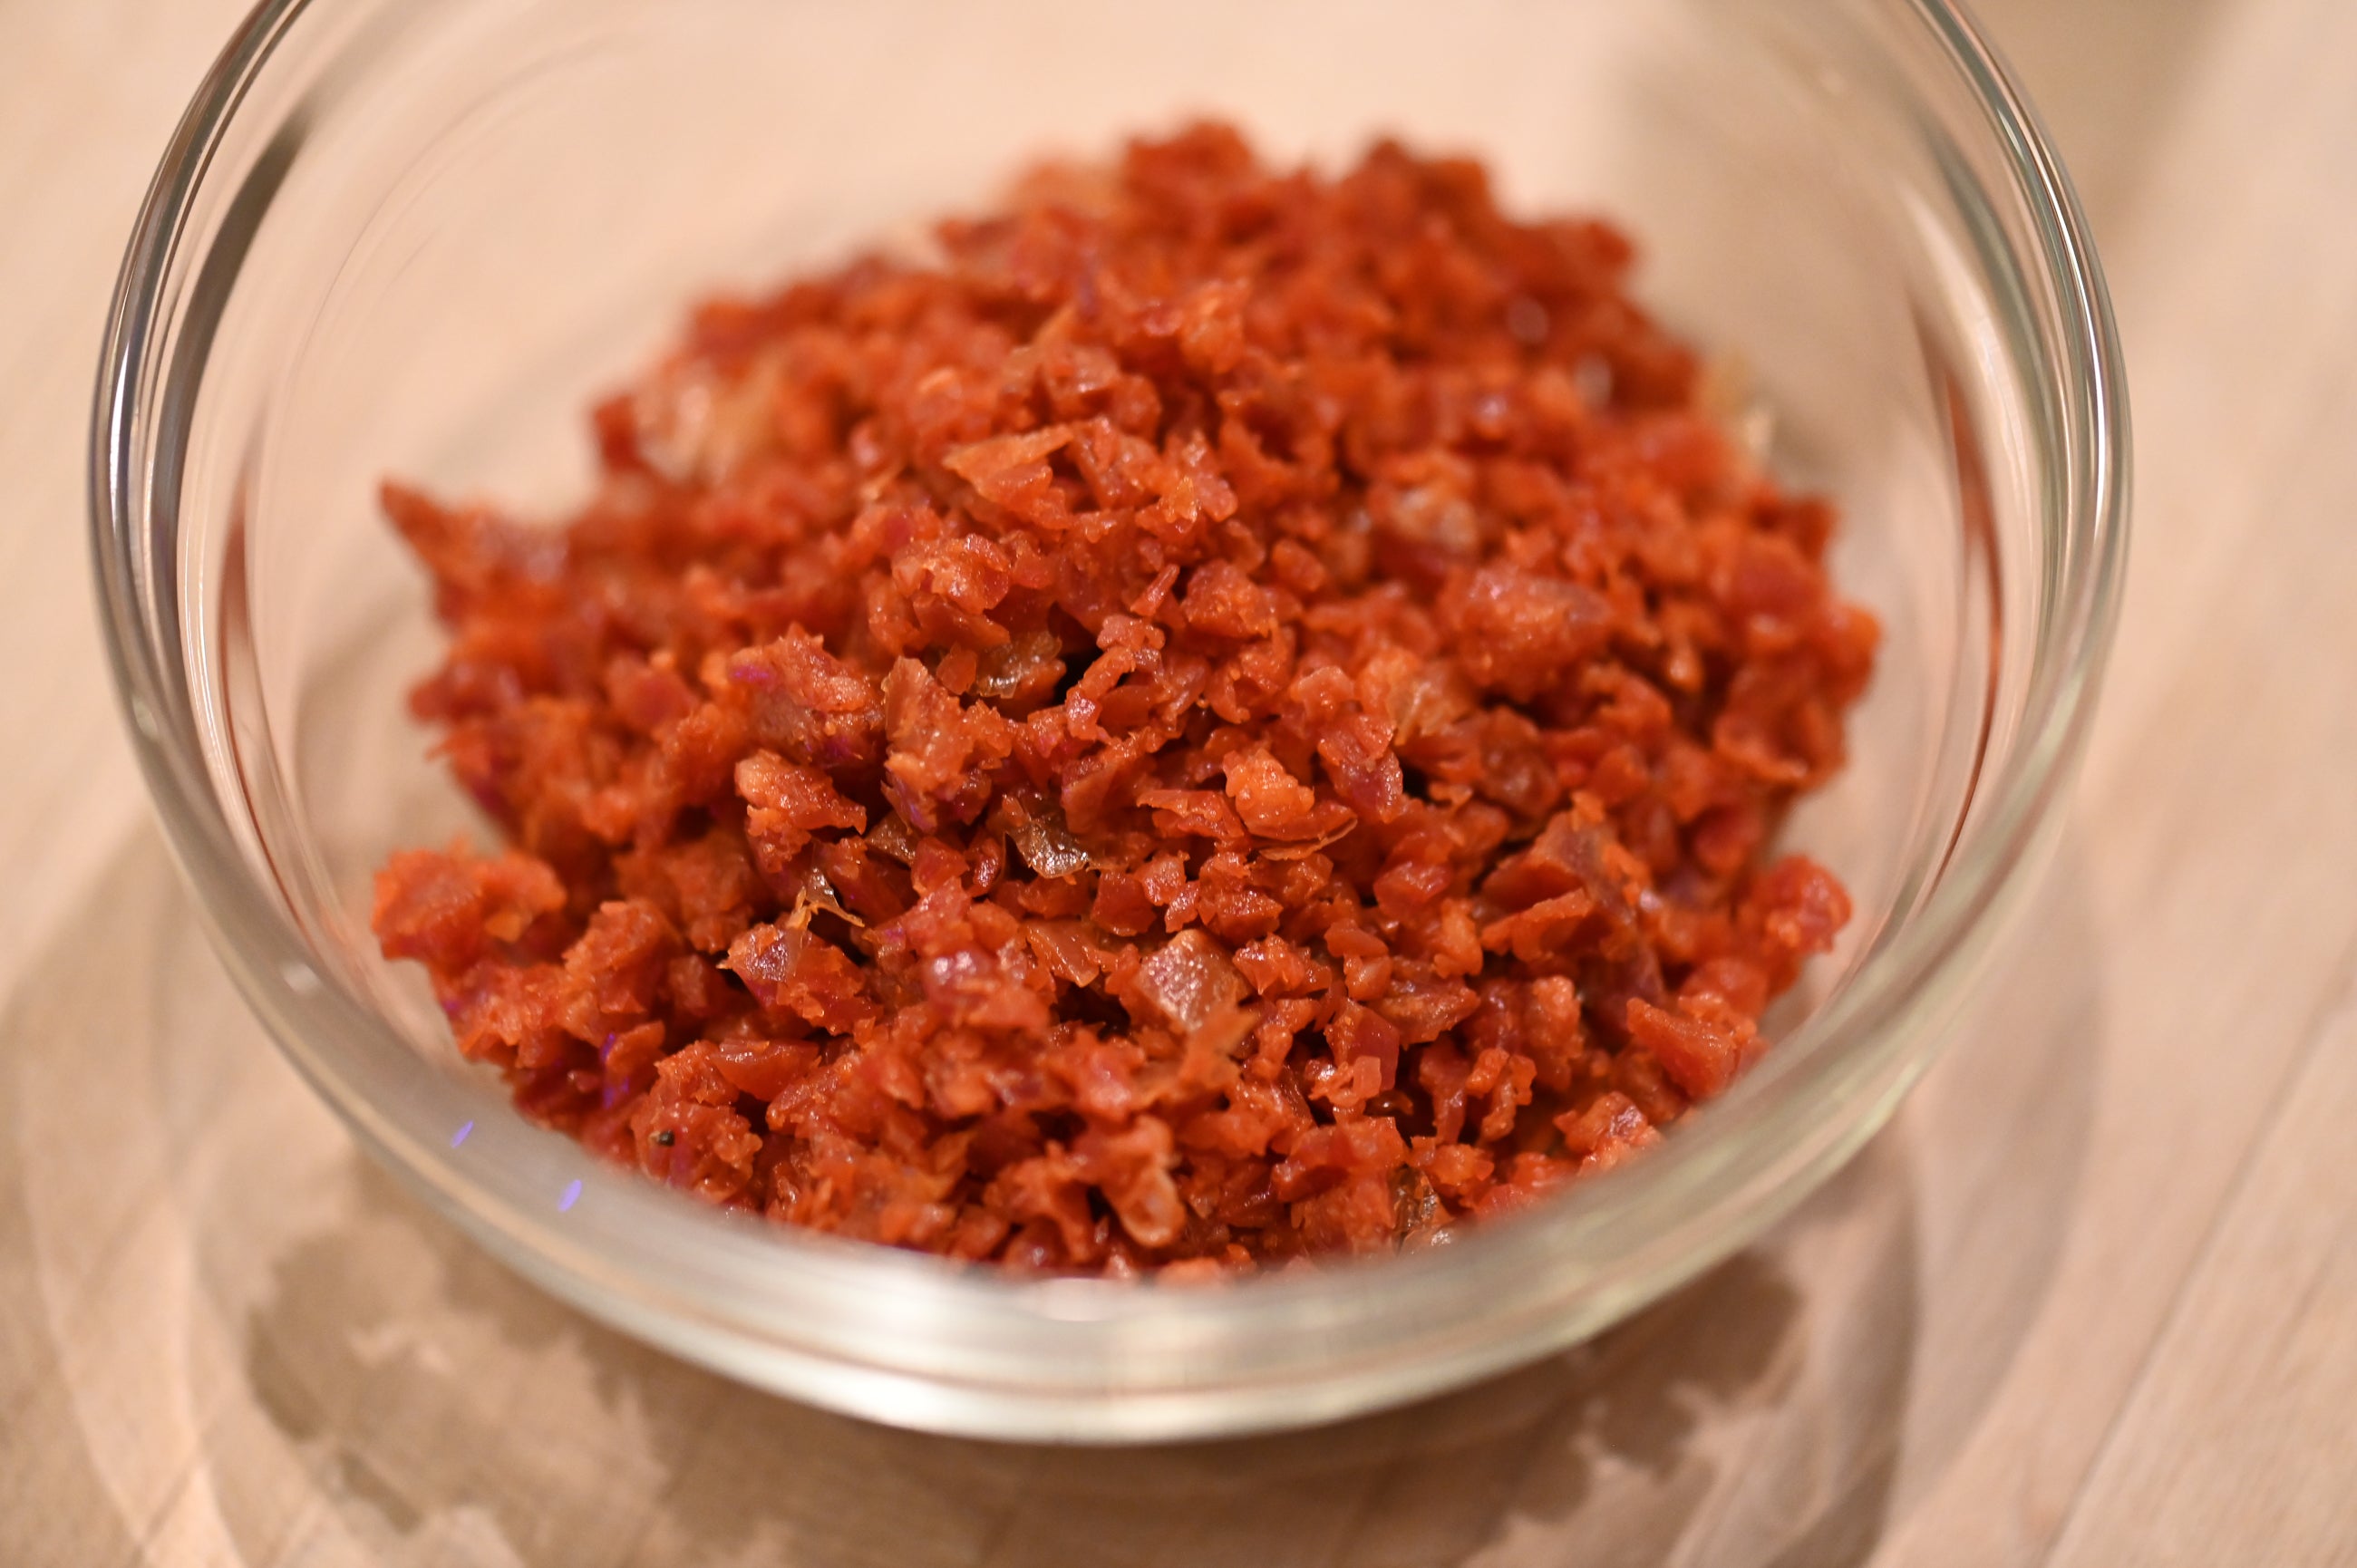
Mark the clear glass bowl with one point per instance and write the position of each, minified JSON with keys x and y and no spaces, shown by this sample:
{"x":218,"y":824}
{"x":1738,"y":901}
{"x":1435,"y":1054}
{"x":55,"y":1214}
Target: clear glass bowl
{"x":416,"y":237}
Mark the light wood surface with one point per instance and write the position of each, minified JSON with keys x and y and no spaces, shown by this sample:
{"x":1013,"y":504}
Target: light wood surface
{"x":2092,"y":1299}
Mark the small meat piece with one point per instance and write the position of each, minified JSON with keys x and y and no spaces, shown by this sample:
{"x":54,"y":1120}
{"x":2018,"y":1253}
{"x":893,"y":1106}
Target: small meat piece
{"x":1522,"y":633}
{"x":1274,"y":804}
{"x":448,"y":908}
{"x":789,"y":970}
{"x":942,"y":752}
{"x":1185,"y":983}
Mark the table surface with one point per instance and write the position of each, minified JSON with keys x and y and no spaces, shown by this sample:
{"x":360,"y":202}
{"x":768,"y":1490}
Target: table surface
{"x":2091,"y":1299}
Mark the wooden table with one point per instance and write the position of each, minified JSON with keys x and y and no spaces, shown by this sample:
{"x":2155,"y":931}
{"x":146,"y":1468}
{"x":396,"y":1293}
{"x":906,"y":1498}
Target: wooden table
{"x":2092,"y":1299}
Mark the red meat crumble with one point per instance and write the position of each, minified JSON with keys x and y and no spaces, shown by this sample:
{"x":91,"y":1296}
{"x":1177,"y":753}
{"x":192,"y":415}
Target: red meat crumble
{"x":1234,"y":714}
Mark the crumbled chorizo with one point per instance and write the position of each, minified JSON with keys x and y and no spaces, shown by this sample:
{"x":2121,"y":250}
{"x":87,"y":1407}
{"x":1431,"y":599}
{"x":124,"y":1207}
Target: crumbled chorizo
{"x":1233,"y":713}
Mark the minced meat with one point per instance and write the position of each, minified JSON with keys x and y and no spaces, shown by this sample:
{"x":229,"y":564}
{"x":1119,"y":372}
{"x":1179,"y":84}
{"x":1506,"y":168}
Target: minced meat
{"x":1227,"y":714}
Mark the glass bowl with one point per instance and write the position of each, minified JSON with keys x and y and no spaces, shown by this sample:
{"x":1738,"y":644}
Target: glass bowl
{"x":418,"y":237}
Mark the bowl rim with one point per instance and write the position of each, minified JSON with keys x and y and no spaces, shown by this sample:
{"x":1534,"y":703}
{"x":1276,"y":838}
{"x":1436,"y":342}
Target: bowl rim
{"x":709,"y":1285}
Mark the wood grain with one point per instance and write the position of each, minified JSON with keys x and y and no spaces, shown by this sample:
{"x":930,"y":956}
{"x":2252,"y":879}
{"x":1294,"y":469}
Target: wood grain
{"x":2240,"y":1430}
{"x":2092,"y":1299}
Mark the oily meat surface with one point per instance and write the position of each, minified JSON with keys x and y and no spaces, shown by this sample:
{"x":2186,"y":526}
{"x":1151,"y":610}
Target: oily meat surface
{"x":1231,"y":714}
